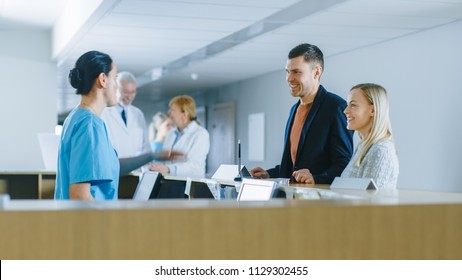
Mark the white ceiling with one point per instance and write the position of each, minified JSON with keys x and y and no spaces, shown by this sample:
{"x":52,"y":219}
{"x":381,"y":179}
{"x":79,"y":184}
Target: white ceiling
{"x":16,"y":14}
{"x":224,"y":41}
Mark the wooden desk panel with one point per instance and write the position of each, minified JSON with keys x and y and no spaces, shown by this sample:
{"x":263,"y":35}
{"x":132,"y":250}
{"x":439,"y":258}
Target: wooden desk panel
{"x":41,"y":184}
{"x":27,"y":184}
{"x":297,"y":230}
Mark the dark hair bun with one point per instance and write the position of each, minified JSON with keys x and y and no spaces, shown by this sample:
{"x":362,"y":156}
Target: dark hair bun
{"x":87,"y":69}
{"x":76,"y":78}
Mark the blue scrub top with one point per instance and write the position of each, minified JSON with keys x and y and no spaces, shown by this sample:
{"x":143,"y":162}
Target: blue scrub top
{"x":87,"y":155}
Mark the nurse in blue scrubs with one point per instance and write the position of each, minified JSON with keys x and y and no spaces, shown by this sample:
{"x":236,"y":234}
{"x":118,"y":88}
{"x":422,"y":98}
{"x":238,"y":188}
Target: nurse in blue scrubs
{"x":88,"y":167}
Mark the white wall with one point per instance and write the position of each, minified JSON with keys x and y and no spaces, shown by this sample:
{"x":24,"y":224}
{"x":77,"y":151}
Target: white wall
{"x":28,"y":94}
{"x":422,"y":74}
{"x":269,"y":94}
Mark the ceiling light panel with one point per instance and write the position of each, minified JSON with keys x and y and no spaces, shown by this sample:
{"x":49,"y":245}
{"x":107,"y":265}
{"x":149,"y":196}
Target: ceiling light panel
{"x":173,"y":24}
{"x":317,"y":30}
{"x":245,"y":3}
{"x":380,"y":21}
{"x":143,"y":43}
{"x":197,"y":9}
{"x":405,"y":8}
{"x":130,"y":33}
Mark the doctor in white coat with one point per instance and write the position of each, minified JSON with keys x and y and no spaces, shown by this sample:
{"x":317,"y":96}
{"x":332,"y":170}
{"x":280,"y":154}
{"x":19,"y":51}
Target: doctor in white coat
{"x":188,"y":137}
{"x":125,"y":123}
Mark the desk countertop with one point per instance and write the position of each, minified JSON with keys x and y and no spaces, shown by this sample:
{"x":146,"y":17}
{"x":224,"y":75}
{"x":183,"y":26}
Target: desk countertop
{"x":27,"y":172}
{"x":315,"y":197}
{"x":210,"y":229}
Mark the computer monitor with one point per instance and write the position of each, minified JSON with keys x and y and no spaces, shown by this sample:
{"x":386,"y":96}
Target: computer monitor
{"x":256,"y":190}
{"x":146,"y":185}
{"x":49,"y":144}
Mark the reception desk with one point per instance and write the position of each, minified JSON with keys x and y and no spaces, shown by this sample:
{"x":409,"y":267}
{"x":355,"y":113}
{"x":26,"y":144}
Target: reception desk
{"x":29,"y":184}
{"x":406,"y":224}
{"x":40,"y":184}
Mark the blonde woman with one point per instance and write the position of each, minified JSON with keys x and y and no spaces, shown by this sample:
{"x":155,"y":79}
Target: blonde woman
{"x":375,"y":156}
{"x":158,"y":129}
{"x":188,"y":137}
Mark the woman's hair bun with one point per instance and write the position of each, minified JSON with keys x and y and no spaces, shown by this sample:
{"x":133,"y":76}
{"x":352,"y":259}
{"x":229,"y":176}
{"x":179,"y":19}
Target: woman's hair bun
{"x":76,"y":78}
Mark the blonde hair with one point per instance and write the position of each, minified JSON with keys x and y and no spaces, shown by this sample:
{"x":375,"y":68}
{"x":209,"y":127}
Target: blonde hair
{"x":381,"y":125}
{"x":186,"y":104}
{"x":157,"y":120}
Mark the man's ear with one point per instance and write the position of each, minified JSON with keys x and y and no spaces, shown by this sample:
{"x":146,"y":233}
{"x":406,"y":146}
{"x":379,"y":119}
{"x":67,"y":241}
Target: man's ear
{"x":317,"y":72}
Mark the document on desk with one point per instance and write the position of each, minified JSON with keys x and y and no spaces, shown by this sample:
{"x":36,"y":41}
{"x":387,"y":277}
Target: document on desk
{"x":353,"y":183}
{"x":187,"y":189}
{"x":214,"y":188}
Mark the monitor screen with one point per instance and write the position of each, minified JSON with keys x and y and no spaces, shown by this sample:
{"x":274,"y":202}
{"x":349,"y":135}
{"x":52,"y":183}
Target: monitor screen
{"x":145,"y":186}
{"x":256,"y":190}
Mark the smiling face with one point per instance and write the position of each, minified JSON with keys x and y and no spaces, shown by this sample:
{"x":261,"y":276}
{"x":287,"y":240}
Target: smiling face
{"x":359,"y":112}
{"x":127,"y":92}
{"x":178,"y":116}
{"x":303,"y":78}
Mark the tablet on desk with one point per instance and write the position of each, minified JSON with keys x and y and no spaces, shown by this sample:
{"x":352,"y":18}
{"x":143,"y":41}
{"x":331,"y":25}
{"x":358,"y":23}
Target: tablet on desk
{"x":256,"y":190}
{"x":245,"y":172}
{"x":146,"y":186}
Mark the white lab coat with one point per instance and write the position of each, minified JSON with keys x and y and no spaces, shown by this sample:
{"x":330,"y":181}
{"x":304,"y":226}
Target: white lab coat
{"x":195,"y":143}
{"x":128,"y":140}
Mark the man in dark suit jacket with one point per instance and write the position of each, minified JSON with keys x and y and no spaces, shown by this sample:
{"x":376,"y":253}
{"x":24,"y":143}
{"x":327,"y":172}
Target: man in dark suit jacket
{"x":318,"y":145}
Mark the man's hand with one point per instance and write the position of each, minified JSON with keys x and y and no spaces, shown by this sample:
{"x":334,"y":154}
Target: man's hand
{"x":159,"y":168}
{"x":259,"y":172}
{"x":169,"y":155}
{"x":303,"y":176}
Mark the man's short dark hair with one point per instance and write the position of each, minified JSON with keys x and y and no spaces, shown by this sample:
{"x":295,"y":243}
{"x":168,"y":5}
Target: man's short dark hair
{"x":311,"y":54}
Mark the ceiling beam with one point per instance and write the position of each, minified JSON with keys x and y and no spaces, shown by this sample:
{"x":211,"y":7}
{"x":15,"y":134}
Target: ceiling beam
{"x":286,"y":16}
{"x":78,"y":18}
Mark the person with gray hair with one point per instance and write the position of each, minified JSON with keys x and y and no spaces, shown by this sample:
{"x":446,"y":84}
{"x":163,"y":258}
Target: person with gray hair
{"x":125,"y":123}
{"x":88,"y":167}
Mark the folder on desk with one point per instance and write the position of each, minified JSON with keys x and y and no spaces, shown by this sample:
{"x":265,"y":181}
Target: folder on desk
{"x":228,"y":172}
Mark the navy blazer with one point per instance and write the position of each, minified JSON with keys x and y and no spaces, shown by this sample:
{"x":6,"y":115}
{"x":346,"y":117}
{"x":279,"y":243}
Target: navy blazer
{"x":325,"y":145}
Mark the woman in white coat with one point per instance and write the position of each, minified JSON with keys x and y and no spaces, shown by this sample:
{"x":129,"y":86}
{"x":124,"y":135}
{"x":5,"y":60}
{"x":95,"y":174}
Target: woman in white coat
{"x":188,"y":137}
